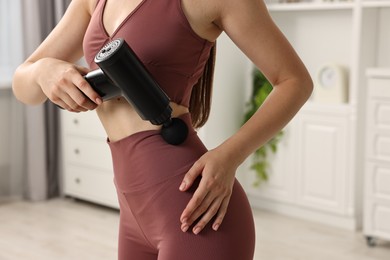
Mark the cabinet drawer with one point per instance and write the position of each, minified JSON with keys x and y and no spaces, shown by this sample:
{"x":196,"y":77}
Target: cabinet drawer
{"x":381,"y":215}
{"x":377,"y":181}
{"x":378,"y":145}
{"x":378,"y":114}
{"x":86,"y":124}
{"x":379,"y":87}
{"x":93,"y":185}
{"x":377,"y":220}
{"x":87,"y":152}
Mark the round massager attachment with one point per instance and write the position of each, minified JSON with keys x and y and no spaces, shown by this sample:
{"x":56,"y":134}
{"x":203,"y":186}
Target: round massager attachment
{"x":175,"y":131}
{"x":123,"y":68}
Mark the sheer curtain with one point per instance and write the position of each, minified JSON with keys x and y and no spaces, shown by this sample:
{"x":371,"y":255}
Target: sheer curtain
{"x":11,"y":131}
{"x":42,"y":178}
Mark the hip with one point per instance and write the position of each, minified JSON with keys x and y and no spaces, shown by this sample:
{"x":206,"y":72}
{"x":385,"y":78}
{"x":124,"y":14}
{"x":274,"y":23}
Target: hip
{"x":120,"y":119}
{"x":143,"y":159}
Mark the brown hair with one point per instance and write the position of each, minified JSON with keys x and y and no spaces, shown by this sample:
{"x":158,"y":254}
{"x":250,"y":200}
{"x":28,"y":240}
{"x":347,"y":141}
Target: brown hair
{"x":200,"y":102}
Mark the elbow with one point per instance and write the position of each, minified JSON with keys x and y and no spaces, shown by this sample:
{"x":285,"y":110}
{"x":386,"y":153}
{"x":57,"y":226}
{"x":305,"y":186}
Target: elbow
{"x":17,"y":89}
{"x":304,"y":84}
{"x":26,"y":98}
{"x":300,"y":84}
{"x":16,"y":85}
{"x":23,"y":93}
{"x":307,"y":86}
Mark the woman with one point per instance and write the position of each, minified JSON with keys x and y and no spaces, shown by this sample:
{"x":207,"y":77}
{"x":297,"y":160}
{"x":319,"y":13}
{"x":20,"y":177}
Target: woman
{"x":176,"y":202}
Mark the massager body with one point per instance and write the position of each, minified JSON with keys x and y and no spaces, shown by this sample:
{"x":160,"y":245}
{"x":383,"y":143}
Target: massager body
{"x":121,"y":73}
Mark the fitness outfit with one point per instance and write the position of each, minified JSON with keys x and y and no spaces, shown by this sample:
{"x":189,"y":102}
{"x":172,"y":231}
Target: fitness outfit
{"x":147,"y":170}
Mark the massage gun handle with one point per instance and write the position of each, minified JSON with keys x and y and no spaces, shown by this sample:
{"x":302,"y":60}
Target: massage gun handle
{"x":102,"y":85}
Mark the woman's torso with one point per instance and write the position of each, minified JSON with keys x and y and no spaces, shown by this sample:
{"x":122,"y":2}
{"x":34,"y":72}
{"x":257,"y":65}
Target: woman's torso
{"x":160,"y":34}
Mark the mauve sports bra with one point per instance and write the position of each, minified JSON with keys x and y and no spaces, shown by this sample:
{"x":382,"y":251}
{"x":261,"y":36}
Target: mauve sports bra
{"x":161,"y":36}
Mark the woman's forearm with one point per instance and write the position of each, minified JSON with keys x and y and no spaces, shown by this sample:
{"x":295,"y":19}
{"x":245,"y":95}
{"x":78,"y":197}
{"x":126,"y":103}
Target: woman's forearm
{"x":60,"y":81}
{"x":279,"y":108}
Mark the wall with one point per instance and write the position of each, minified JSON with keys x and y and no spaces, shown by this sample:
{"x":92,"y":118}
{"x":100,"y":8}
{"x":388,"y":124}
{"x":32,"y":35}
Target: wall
{"x":229,"y":93}
{"x":383,"y":53}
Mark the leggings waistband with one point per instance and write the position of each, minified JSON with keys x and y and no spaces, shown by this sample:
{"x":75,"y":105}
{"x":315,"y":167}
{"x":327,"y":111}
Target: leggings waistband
{"x":144,"y":158}
{"x":146,"y":133}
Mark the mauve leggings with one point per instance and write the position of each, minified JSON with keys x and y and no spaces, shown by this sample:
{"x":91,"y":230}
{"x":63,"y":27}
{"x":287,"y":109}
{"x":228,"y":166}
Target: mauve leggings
{"x":148,"y":173}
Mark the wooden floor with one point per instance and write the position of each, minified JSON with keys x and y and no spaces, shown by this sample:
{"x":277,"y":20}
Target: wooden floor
{"x":74,"y":230}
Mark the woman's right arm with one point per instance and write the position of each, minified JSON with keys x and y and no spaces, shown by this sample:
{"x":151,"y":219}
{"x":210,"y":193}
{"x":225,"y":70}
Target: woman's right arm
{"x":50,"y":71}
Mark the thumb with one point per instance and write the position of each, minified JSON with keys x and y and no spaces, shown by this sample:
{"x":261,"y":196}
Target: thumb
{"x":190,"y":176}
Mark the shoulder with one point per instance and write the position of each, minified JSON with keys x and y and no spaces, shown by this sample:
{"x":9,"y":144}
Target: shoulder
{"x":91,"y":5}
{"x":210,"y":17}
{"x":87,"y":6}
{"x":206,"y":8}
{"x":247,"y":11}
{"x":216,"y":11}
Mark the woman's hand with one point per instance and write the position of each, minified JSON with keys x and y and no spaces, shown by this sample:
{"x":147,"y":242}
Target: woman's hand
{"x":211,"y":198}
{"x":63,"y":83}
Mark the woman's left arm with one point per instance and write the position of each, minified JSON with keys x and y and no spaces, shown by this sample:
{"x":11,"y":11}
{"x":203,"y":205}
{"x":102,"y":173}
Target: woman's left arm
{"x":250,"y":27}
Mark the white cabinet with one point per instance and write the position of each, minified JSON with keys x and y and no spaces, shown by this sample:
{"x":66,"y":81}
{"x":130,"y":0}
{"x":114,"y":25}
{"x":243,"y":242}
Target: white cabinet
{"x":87,"y":166}
{"x":377,"y":168}
{"x":311,"y":175}
{"x":322,"y":166}
{"x":317,"y":173}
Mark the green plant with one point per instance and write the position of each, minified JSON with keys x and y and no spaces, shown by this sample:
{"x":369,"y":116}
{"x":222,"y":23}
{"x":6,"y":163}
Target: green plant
{"x":261,"y":89}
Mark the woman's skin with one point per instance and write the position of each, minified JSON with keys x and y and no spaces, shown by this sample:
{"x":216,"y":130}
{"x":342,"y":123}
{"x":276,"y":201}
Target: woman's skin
{"x":50,"y":73}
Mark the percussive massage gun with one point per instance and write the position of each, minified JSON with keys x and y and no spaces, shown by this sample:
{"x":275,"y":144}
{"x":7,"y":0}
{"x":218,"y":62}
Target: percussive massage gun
{"x":121,"y":73}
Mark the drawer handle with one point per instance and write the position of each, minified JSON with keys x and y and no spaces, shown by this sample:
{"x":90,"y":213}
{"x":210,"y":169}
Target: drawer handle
{"x":77,"y":151}
{"x":77,"y":180}
{"x":75,"y":121}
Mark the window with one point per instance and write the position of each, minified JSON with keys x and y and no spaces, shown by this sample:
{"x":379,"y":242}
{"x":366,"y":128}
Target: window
{"x":11,"y":44}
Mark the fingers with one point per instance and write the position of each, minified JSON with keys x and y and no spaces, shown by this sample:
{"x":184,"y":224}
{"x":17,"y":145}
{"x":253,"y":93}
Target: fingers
{"x":191,"y":175}
{"x":211,"y":197}
{"x":204,"y":206}
{"x":207,"y":216}
{"x":216,"y":208}
{"x":70,"y":100}
{"x":194,"y":209}
{"x":221,"y":213}
{"x":73,"y":93}
{"x":82,"y":70}
{"x":66,"y":102}
{"x":83,"y":95}
{"x":84,"y":86}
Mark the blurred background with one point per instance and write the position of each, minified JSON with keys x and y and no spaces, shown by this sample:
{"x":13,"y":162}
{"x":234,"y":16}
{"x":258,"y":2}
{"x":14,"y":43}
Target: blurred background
{"x":320,"y":190}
